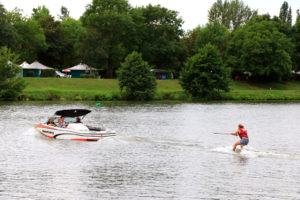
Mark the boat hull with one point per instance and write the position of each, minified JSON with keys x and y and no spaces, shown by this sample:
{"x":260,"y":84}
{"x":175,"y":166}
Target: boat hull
{"x":69,"y":134}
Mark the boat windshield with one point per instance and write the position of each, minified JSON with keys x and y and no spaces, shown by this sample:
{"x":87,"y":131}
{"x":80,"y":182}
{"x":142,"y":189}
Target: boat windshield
{"x":70,"y":119}
{"x":67,"y":119}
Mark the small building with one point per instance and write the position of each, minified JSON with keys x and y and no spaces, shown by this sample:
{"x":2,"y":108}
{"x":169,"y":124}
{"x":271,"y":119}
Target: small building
{"x":79,"y":69}
{"x":34,"y":69}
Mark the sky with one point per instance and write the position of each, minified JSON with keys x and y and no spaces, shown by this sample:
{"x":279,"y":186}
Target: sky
{"x":193,"y":12}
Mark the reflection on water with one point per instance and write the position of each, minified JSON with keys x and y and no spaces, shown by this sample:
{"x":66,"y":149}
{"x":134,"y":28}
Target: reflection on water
{"x":242,"y":160}
{"x":164,"y":151}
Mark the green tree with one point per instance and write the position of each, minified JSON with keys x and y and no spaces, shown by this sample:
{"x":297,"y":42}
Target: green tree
{"x":214,"y":33}
{"x":94,"y":50}
{"x":204,"y":74}
{"x":231,"y":14}
{"x":221,"y":12}
{"x":73,"y":31}
{"x":7,"y":32}
{"x":283,"y":27}
{"x":259,"y":48}
{"x":189,"y":43}
{"x":65,"y":13}
{"x":285,"y":13}
{"x":296,"y":41}
{"x":58,"y":45}
{"x":159,"y":34}
{"x":40,"y":12}
{"x":289,"y":20}
{"x":14,"y":16}
{"x":10,"y":86}
{"x":110,"y":23}
{"x":136,"y":79}
{"x":30,"y":38}
{"x":284,"y":21}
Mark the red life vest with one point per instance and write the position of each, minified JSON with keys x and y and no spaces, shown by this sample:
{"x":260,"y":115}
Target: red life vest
{"x":243,"y":133}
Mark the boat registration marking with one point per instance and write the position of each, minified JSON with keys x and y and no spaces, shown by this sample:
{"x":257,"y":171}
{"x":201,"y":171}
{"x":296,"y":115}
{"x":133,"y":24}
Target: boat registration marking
{"x":49,"y":132}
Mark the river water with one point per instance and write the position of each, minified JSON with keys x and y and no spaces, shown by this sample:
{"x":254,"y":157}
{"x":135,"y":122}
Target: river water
{"x":161,"y":151}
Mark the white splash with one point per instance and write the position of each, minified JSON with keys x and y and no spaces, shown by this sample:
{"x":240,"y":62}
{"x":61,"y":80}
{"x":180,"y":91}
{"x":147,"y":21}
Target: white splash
{"x":251,"y":152}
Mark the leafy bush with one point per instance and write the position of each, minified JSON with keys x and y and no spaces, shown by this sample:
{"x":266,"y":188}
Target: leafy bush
{"x":205,"y":75}
{"x":136,"y":79}
{"x":78,"y":98}
{"x":10,"y":86}
{"x":48,"y":73}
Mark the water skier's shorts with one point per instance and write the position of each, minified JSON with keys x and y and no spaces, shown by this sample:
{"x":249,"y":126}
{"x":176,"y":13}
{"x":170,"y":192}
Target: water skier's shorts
{"x":244,"y":141}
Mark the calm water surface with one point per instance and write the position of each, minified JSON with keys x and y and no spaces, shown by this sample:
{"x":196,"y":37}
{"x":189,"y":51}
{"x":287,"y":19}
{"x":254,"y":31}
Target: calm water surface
{"x":162,"y":151}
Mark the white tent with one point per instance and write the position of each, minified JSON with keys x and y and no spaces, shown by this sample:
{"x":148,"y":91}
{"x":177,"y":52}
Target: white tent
{"x":82,"y":66}
{"x":24,"y":64}
{"x":80,"y":69}
{"x":36,"y":65}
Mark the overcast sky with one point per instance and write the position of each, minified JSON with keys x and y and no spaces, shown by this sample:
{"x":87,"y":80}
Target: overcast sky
{"x":193,"y":12}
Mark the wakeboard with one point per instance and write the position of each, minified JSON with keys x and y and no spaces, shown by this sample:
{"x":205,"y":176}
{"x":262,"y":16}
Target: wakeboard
{"x":238,"y":150}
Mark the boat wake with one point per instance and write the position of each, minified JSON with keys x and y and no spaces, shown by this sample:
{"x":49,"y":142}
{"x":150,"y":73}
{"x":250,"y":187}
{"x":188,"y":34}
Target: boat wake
{"x":161,"y":141}
{"x":30,"y":132}
{"x":246,"y":151}
{"x":251,"y":152}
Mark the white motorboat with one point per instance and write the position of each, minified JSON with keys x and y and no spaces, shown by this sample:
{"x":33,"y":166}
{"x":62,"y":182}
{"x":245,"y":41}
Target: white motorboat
{"x":72,"y":128}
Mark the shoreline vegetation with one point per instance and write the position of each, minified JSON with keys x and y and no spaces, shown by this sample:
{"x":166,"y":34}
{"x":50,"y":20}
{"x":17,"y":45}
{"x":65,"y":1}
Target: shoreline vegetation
{"x":137,"y":44}
{"x":59,"y":89}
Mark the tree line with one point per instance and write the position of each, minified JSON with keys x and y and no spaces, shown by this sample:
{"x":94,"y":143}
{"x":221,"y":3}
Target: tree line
{"x":103,"y":36}
{"x":240,"y":44}
{"x":239,"y":41}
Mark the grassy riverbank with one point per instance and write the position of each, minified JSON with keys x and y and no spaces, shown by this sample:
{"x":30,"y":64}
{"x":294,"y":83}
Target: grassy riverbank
{"x":242,"y":90}
{"x":41,"y":89}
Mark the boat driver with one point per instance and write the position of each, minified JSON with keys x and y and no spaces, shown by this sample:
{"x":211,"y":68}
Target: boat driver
{"x":78,"y":120}
{"x":51,"y":122}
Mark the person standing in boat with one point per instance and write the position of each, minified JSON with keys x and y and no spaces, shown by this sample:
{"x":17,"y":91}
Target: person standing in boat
{"x":242,"y":133}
